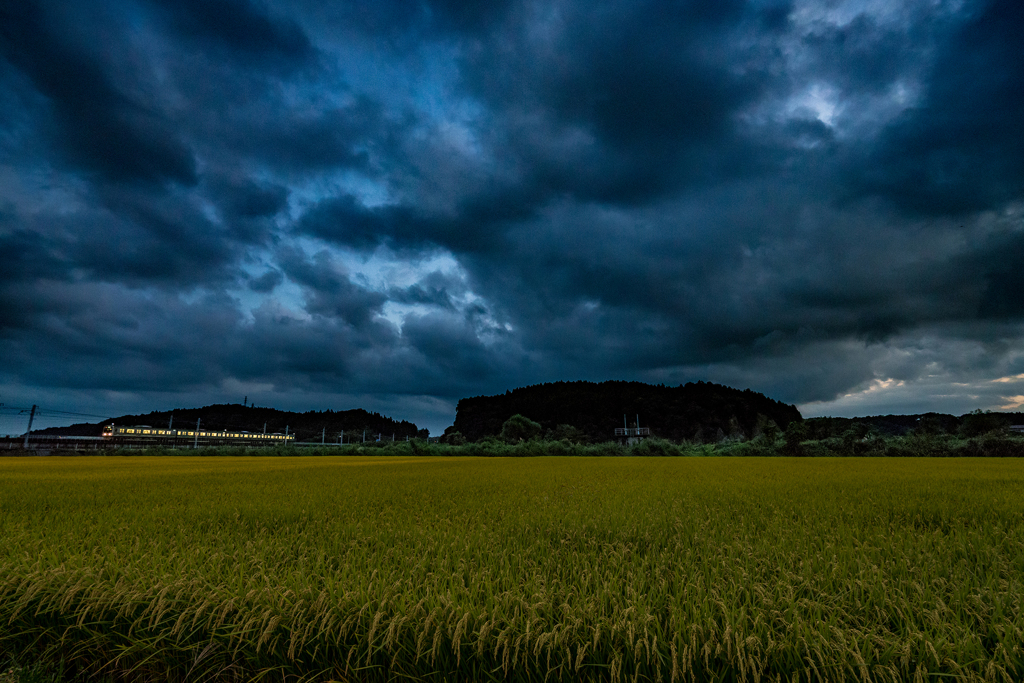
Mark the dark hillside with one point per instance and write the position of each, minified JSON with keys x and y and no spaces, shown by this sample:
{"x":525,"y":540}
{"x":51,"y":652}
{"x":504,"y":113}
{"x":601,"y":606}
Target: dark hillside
{"x":306,"y":426}
{"x":970,"y":424}
{"x":692,"y":411}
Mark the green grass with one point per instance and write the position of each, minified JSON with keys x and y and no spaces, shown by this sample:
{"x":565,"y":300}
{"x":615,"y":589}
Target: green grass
{"x":377,"y":568}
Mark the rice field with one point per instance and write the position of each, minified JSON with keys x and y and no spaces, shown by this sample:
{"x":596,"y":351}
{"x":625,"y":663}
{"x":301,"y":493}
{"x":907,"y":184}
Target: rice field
{"x":494,"y":569}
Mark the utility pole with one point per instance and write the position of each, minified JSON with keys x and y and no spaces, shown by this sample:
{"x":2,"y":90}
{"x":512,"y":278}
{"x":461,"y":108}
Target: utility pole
{"x":170,"y":423}
{"x":323,"y":436}
{"x":264,"y":427}
{"x":31,"y":416}
{"x":364,"y":436}
{"x":286,"y":435}
{"x":245,"y":402}
{"x":341,"y":440}
{"x":195,"y":444}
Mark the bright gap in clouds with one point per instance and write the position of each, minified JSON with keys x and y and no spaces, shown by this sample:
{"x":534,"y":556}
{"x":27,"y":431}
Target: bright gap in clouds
{"x":383,"y":271}
{"x":923,"y":395}
{"x":820,"y":100}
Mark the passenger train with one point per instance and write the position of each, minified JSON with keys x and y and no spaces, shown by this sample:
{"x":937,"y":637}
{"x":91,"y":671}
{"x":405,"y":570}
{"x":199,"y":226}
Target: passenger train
{"x":145,"y":432}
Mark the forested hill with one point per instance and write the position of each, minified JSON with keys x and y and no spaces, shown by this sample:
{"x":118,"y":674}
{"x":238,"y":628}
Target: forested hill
{"x":308,"y":426}
{"x":692,"y":411}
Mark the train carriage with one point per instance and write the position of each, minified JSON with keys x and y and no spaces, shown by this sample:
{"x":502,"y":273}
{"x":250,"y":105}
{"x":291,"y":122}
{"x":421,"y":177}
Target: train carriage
{"x":147,"y":435}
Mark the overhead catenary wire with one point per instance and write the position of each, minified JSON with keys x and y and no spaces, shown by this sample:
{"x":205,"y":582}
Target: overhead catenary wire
{"x":37,"y":414}
{"x":50,"y":412}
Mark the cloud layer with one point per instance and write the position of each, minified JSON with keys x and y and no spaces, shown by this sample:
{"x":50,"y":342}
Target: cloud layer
{"x":398,"y":205}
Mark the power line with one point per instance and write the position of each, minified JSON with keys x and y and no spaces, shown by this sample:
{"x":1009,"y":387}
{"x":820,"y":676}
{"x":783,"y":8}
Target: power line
{"x":61,"y":413}
{"x":49,"y":412}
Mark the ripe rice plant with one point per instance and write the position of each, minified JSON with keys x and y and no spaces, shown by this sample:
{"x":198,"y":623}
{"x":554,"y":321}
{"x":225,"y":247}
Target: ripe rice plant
{"x":545,"y":569}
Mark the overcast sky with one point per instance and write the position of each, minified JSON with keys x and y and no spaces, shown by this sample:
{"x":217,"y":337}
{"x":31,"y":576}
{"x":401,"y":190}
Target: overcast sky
{"x":392,"y":205}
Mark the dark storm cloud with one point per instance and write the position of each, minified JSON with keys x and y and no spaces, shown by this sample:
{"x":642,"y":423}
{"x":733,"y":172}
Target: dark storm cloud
{"x":436,"y":289}
{"x":962,"y":149}
{"x":124,"y":238}
{"x":99,"y":337}
{"x":99,"y":127}
{"x":26,"y":256}
{"x":331,"y":292}
{"x":264,"y":284}
{"x":862,"y":55}
{"x":336,"y":138}
{"x":450,"y":198}
{"x":619,"y":107}
{"x":450,"y":347}
{"x":345,"y":220}
{"x":247,"y":199}
{"x":238,"y":26}
{"x":404,"y":24}
{"x":648,"y":89}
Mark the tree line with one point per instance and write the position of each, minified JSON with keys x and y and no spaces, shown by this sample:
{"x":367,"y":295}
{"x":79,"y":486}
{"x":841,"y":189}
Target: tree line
{"x":590,"y":412}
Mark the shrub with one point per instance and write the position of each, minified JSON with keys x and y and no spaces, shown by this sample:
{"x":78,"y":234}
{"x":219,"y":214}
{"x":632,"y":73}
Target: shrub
{"x":518,"y":428}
